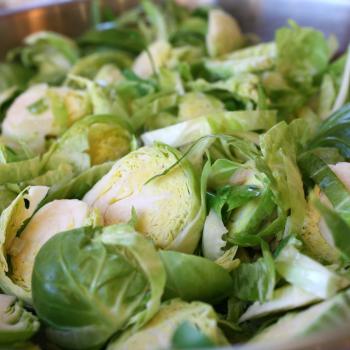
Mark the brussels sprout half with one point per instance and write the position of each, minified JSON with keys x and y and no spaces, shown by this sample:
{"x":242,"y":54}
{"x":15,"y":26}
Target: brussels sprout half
{"x":153,"y":181}
{"x":158,"y":333}
{"x":21,"y":240}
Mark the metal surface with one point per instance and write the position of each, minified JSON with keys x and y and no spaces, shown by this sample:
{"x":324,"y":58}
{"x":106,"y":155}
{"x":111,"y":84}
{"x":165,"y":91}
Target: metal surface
{"x":67,"y":17}
{"x":265,"y":16}
{"x":262,"y":17}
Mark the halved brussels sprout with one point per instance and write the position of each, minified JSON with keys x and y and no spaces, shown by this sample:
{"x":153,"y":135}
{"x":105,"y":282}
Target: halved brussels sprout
{"x":19,"y":248}
{"x":42,"y":111}
{"x":158,"y":333}
{"x":105,"y":279}
{"x":133,"y":183}
{"x":154,"y":58}
{"x":16,"y":324}
{"x":224,"y":34}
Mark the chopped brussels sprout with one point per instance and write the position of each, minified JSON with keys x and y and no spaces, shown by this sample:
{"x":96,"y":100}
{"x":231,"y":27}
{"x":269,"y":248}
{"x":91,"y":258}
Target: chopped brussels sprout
{"x":158,"y":332}
{"x":132,"y":183}
{"x":155,"y":57}
{"x":224,"y":34}
{"x":16,"y":324}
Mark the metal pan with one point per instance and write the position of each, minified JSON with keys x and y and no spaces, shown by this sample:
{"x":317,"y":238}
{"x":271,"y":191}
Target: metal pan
{"x":261,"y":17}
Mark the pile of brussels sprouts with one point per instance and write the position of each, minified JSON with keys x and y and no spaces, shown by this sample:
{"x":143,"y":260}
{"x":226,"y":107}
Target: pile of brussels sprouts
{"x":168,"y":182}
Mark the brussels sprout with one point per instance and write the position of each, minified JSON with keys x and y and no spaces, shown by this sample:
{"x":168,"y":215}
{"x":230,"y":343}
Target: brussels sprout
{"x":197,"y":104}
{"x":224,"y":34}
{"x":21,"y":243}
{"x":42,"y":111}
{"x":154,"y":58}
{"x":133,"y":183}
{"x":158,"y":332}
{"x":91,"y":283}
{"x":16,"y":324}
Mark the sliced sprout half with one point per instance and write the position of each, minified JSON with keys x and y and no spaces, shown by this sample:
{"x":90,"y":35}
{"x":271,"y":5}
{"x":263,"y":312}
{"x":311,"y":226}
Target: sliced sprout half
{"x":153,"y":58}
{"x":132,"y":183}
{"x":224,"y":34}
{"x":19,"y":249}
{"x":158,"y":332}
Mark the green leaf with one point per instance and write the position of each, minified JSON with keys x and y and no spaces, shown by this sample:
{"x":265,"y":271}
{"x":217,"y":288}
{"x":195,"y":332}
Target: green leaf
{"x":279,"y":164}
{"x":232,"y":197}
{"x":318,"y":170}
{"x":303,"y":54}
{"x":191,"y":277}
{"x":306,"y":273}
{"x":338,"y":227}
{"x":255,"y":281}
{"x":334,"y":132}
